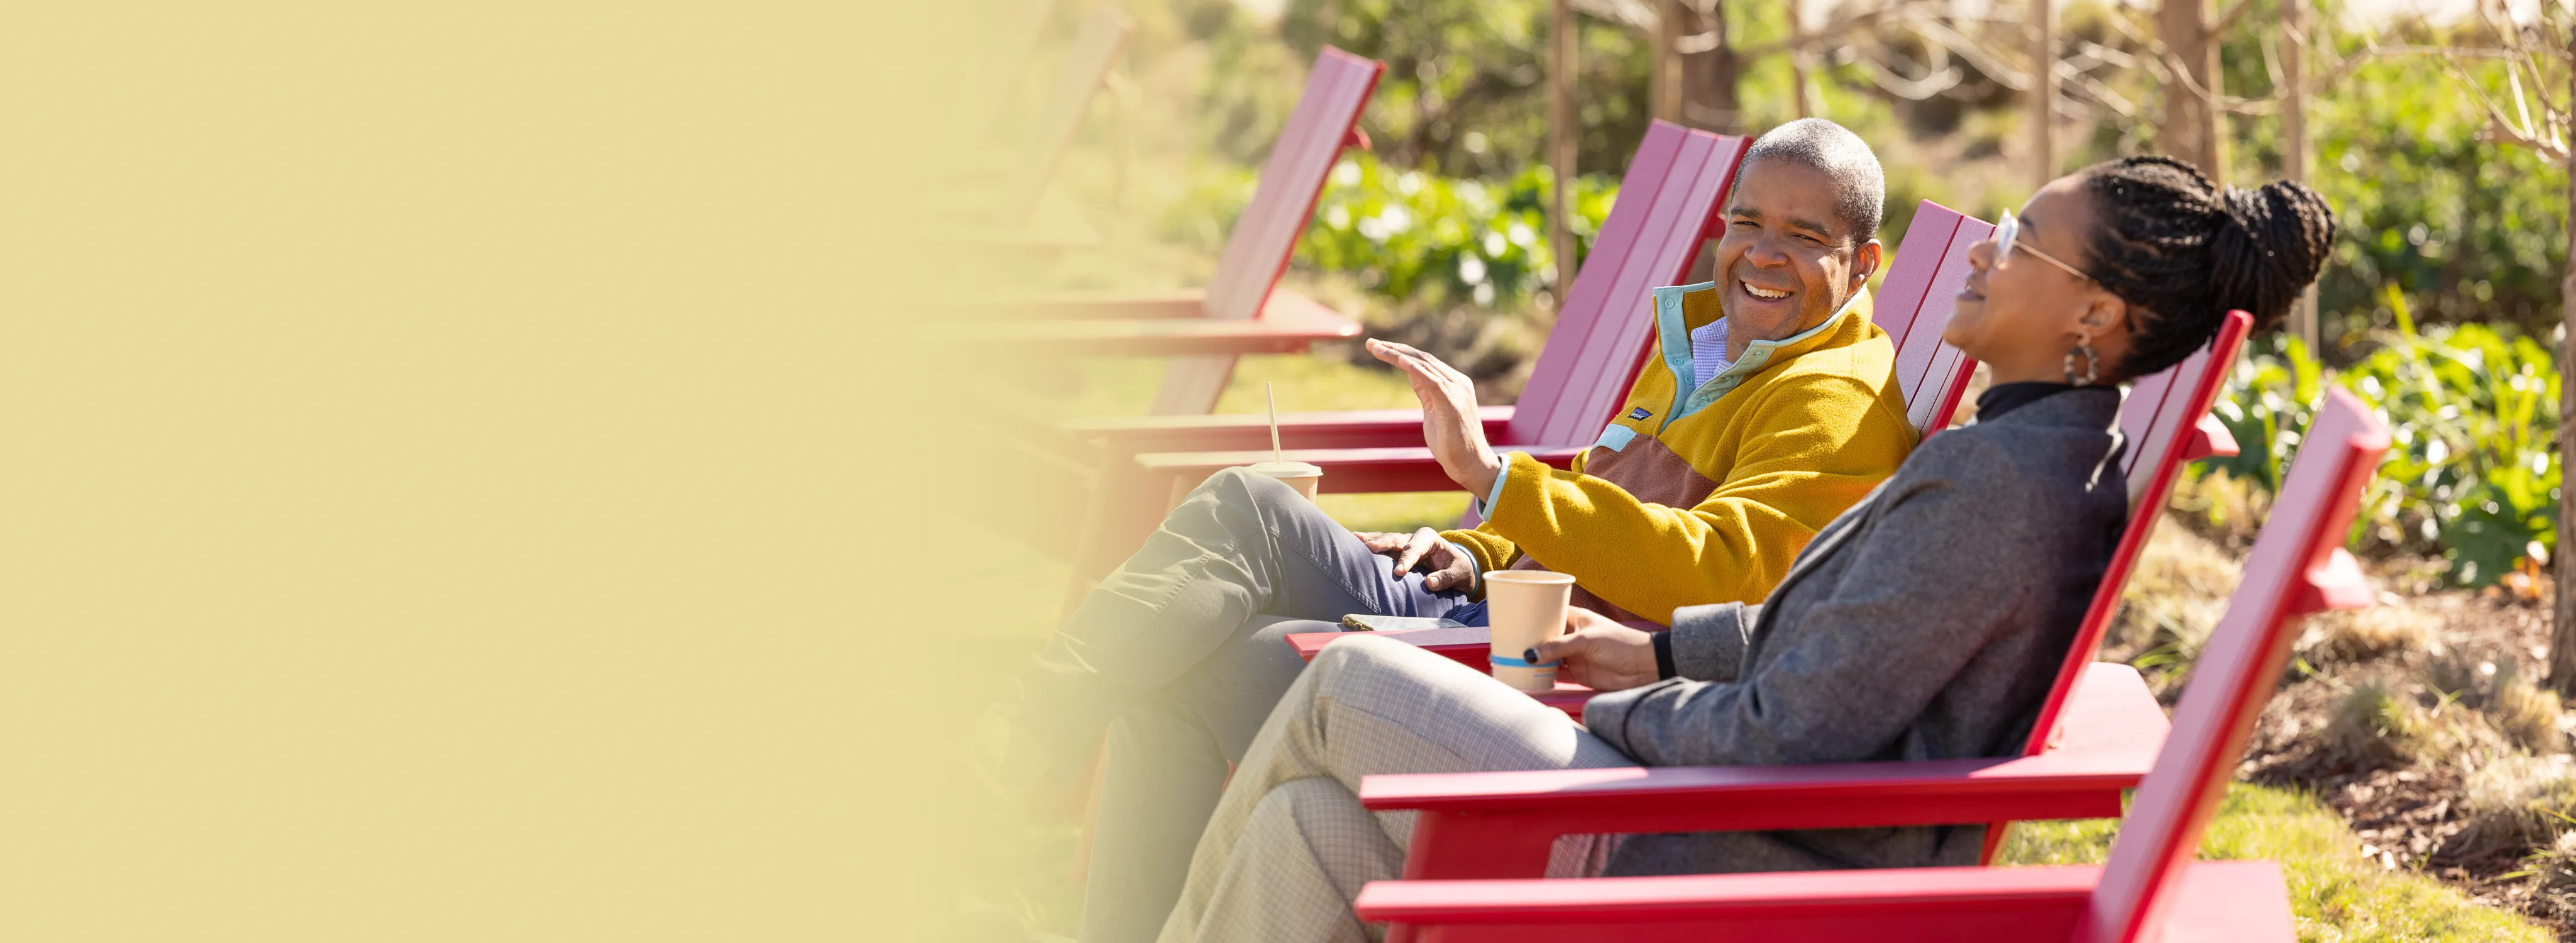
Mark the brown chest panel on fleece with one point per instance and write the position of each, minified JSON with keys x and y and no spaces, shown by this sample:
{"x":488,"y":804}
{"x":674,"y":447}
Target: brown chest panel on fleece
{"x":1655,"y":474}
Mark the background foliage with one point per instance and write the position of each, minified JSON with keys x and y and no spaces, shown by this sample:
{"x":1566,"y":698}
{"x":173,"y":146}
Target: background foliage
{"x":2472,"y":474}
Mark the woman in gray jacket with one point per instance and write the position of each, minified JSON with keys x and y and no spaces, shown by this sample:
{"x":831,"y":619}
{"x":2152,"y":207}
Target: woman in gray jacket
{"x":1924,"y":623}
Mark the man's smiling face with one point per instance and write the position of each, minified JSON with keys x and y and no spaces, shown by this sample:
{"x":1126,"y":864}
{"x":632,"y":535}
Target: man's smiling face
{"x":1787,"y":261}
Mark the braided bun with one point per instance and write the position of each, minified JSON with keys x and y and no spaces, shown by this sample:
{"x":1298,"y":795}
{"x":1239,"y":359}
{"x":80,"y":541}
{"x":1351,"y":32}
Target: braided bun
{"x":2188,"y":251}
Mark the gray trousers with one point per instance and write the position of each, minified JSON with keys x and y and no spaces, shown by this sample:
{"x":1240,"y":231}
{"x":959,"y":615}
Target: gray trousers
{"x":1178,"y":656}
{"x":1290,"y":846}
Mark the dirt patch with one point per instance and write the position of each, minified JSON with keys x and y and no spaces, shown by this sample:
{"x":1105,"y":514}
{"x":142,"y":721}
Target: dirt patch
{"x":2421,"y":720}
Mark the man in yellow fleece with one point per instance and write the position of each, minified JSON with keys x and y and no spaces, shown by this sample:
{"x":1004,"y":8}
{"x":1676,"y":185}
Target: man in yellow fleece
{"x":1769,"y":407}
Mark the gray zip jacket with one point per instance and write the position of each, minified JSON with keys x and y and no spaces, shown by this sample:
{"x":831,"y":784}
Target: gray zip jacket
{"x":1925,"y":623}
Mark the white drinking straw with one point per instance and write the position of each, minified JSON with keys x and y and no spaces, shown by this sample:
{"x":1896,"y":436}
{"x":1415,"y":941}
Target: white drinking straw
{"x":1273,"y":397}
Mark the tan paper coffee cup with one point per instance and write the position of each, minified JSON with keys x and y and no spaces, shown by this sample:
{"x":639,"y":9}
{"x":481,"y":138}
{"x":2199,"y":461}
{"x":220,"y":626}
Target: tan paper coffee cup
{"x":1299,"y":475}
{"x":1526,"y":607}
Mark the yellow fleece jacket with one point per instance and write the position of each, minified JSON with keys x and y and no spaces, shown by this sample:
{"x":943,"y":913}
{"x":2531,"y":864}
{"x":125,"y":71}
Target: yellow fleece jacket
{"x":1703,"y":495}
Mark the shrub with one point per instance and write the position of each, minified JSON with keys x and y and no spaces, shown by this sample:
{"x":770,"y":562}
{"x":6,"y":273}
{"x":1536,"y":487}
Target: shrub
{"x":2472,"y":473}
{"x":1406,"y":234}
{"x":2514,"y":801}
{"x":2372,"y":726}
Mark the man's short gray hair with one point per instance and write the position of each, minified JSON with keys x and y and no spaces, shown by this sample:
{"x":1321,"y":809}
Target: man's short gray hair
{"x":1860,"y":187}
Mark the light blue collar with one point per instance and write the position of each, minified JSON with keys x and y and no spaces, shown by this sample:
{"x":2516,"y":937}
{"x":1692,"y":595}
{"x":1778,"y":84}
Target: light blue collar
{"x":1675,"y":337}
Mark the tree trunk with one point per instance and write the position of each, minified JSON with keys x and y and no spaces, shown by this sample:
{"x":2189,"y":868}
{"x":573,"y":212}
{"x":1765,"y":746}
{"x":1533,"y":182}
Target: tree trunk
{"x":1561,"y":67}
{"x":2191,"y":129}
{"x":1798,"y":61}
{"x":1709,"y":99}
{"x":2043,"y":92}
{"x":1664,"y":83}
{"x":2562,"y":637}
{"x":2294,"y":140}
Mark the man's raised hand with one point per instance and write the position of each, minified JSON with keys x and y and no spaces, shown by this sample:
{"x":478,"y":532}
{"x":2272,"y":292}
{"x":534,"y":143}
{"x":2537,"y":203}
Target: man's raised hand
{"x":1449,"y":423}
{"x":1448,"y":568}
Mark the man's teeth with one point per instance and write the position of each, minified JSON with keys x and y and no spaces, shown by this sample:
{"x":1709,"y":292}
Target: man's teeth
{"x":1763,"y":293}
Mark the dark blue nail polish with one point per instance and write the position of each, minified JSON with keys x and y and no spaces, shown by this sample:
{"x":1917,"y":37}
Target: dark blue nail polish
{"x":1529,"y":655}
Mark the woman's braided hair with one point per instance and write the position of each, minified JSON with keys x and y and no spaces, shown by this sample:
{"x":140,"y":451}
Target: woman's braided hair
{"x":2188,"y":251}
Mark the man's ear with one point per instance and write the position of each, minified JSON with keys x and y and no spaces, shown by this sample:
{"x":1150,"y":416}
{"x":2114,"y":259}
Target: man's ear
{"x":1865,"y":261}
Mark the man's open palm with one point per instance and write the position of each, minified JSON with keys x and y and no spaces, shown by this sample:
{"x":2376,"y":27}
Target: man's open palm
{"x":1449,"y":423}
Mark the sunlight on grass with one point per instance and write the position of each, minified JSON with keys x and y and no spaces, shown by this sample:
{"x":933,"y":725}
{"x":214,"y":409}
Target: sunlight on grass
{"x":2335,"y":894}
{"x":1402,"y":511}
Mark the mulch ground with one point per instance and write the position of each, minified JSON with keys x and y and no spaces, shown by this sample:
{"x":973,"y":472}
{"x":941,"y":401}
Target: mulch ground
{"x":2405,"y":817}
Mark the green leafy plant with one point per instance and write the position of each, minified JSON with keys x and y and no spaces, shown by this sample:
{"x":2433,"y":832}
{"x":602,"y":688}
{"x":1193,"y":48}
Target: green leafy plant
{"x":1406,"y":233}
{"x":2472,"y":472}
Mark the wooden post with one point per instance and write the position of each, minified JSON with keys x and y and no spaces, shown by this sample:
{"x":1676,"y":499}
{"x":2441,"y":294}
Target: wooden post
{"x":1561,"y":67}
{"x":2043,"y":93}
{"x":1798,"y":61}
{"x":2562,"y":636}
{"x":2294,"y":141}
{"x":1665,"y":83}
{"x":2191,"y":124}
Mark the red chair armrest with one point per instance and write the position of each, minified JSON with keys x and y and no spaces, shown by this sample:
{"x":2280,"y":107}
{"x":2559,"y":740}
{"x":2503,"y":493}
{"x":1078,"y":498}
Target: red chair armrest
{"x":2208,"y":438}
{"x":2338,"y":583}
{"x":1350,"y":429}
{"x":1493,"y":825}
{"x":1364,"y":471}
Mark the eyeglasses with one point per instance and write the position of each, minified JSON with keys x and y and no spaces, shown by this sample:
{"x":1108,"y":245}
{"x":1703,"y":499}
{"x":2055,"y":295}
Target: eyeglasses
{"x":2008,"y":233}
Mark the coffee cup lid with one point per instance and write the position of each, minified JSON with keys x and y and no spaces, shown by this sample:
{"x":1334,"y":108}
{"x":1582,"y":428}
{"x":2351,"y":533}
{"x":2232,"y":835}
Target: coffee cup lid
{"x":1288,"y":469}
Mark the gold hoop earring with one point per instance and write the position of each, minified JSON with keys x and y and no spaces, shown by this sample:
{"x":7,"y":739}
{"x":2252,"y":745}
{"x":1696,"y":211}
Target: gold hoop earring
{"x":2092,"y":365}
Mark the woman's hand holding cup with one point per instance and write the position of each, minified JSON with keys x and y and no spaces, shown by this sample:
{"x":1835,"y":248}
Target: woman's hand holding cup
{"x":1600,"y":654}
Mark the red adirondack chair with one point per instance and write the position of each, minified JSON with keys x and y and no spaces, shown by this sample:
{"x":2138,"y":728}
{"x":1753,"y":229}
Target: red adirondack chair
{"x":1668,"y":204}
{"x":1484,"y":825}
{"x":1242,"y":310}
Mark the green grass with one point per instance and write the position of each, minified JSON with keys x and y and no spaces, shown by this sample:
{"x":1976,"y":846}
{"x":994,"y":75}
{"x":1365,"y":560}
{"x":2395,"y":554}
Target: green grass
{"x":2336,"y":895}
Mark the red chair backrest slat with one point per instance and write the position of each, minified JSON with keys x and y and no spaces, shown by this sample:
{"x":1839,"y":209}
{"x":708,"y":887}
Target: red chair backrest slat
{"x":1668,"y":202}
{"x":2159,"y":412}
{"x":1257,"y":251}
{"x":2297,"y":566}
{"x":1914,"y":303}
{"x":1051,"y":130}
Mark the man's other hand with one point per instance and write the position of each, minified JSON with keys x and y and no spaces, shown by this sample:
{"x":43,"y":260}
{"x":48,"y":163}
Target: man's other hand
{"x":1448,"y":568}
{"x":1449,"y":423}
{"x":1601,"y":654}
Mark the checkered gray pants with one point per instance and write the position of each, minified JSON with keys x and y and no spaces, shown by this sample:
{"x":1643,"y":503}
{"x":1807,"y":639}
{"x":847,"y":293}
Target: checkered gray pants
{"x":1290,"y":846}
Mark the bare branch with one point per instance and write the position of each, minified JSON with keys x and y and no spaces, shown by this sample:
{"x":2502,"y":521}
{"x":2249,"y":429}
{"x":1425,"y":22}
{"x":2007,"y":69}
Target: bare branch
{"x":1995,"y":67}
{"x":1940,"y":80}
{"x":2094,"y":89}
{"x":2272,"y":59}
{"x":2106,"y":55}
{"x":1633,"y":14}
{"x":2227,"y":21}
